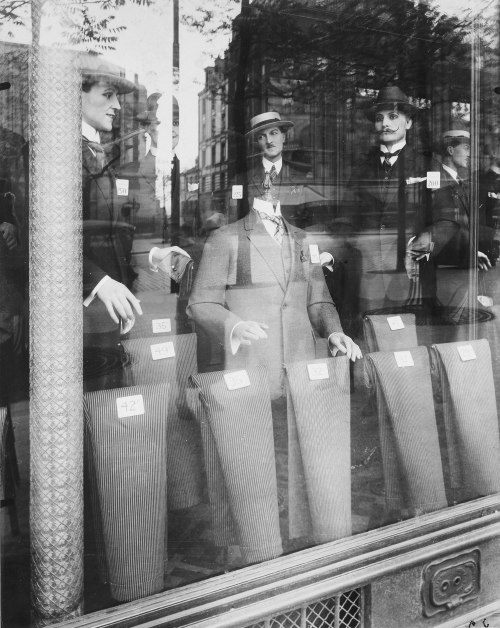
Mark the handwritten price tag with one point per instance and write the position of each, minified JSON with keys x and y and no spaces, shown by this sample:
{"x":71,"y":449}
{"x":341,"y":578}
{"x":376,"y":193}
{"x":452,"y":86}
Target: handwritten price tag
{"x":130,"y":406}
{"x":434,"y":180}
{"x":161,"y":325}
{"x":236,"y":380}
{"x":163,"y":350}
{"x":395,"y":322}
{"x":404,"y":358}
{"x":466,"y":352}
{"x":314,"y":253}
{"x":237,"y":192}
{"x":122,"y":187}
{"x":318,"y":371}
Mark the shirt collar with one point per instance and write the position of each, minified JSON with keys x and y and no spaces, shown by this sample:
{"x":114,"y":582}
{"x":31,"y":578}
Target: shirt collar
{"x":269,"y":164}
{"x":453,"y":173}
{"x":495,"y":169}
{"x":90,"y":133}
{"x":398,"y":146}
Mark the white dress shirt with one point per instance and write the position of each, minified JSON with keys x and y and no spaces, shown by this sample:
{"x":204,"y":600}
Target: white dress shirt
{"x":449,"y":170}
{"x":92,"y":136}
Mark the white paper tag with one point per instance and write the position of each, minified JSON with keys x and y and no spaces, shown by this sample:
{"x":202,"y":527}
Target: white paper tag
{"x":466,"y":352}
{"x":161,"y":325}
{"x":314,"y":254}
{"x":130,"y":406}
{"x":404,"y":358}
{"x":163,"y":350}
{"x":236,"y":380}
{"x":237,"y":192}
{"x":318,"y":371}
{"x":395,"y":322}
{"x":433,"y":180}
{"x":122,"y":187}
{"x":485,"y":301}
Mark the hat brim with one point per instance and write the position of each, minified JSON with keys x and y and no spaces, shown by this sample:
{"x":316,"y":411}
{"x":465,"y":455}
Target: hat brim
{"x":441,"y":145}
{"x":279,"y":123}
{"x":403,"y":107}
{"x":123,"y":85}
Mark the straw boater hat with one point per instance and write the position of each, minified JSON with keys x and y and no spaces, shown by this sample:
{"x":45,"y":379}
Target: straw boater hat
{"x":95,"y":68}
{"x":391,"y":98}
{"x":267,"y":120}
{"x":452,"y":137}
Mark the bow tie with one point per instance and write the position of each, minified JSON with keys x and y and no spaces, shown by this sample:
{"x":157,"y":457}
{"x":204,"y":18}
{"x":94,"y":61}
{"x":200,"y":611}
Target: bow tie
{"x":387,"y":156}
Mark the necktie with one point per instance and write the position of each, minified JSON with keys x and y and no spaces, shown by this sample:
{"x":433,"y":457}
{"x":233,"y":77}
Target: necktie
{"x":280,"y":227}
{"x":98,"y":150}
{"x":387,"y":156}
{"x":273,"y":174}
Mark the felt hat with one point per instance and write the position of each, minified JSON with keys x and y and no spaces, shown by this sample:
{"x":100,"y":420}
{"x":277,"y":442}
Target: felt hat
{"x":266,"y":121}
{"x":391,"y":98}
{"x":95,"y":68}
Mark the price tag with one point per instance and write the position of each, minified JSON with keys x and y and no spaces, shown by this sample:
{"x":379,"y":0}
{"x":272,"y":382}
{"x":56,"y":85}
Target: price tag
{"x":163,"y":350}
{"x":122,"y":187}
{"x":237,"y":192}
{"x":318,"y":371}
{"x":395,"y":322}
{"x":130,"y":406}
{"x":314,"y":254}
{"x":404,"y":358}
{"x":466,"y":352}
{"x":236,"y":380}
{"x":434,"y":180}
{"x":161,"y":325}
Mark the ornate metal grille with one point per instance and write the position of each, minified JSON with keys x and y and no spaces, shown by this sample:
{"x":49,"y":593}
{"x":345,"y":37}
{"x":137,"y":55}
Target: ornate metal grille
{"x":340,"y":611}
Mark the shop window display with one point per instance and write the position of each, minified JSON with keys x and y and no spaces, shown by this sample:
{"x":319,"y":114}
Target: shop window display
{"x":289,"y":340}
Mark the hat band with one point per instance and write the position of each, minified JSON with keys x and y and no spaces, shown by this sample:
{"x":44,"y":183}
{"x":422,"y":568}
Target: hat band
{"x":267,"y":122}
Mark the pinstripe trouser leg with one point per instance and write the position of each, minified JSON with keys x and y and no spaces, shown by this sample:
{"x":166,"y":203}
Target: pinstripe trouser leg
{"x":129,"y":459}
{"x":240,"y":424}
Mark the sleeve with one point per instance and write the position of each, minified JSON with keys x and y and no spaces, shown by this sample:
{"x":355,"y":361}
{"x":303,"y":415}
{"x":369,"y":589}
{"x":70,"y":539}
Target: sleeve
{"x":206,"y":305}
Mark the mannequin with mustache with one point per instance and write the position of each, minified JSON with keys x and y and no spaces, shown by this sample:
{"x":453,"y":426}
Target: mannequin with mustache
{"x":385,"y":204}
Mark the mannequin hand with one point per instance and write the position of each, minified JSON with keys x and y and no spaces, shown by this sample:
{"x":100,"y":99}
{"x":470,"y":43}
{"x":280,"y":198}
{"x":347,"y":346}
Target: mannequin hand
{"x":160,"y":254}
{"x":483,"y":261}
{"x":247,"y":331}
{"x":341,"y":342}
{"x":9,"y":233}
{"x":117,"y":299}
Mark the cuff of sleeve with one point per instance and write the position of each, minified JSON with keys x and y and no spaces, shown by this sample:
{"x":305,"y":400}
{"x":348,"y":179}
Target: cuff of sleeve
{"x":235,"y":342}
{"x":333,"y":350}
{"x":327,"y":260}
{"x":92,"y":295}
{"x":152,"y":265}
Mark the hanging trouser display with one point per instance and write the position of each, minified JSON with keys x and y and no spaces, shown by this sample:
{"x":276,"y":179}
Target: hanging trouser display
{"x":239,"y":459}
{"x":491,"y":331}
{"x":319,"y":413}
{"x":470,"y":416}
{"x":393,"y":332}
{"x":127,"y":432}
{"x":409,"y":441}
{"x":172,"y":359}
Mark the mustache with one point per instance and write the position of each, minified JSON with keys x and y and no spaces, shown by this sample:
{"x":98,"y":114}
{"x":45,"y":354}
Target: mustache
{"x":386,"y":130}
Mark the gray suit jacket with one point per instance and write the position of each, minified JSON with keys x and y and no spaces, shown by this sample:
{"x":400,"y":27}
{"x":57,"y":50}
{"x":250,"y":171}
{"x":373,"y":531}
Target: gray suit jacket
{"x":245,"y":276}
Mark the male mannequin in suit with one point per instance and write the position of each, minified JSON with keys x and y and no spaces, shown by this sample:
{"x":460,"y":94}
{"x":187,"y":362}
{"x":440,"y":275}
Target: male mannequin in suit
{"x":104,"y":256}
{"x":448,"y":225}
{"x":385,"y":202}
{"x":271,"y":323}
{"x":260,"y":290}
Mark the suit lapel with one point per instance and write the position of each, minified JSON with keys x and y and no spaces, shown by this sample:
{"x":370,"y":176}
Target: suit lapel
{"x":267,"y":248}
{"x":406,"y":160}
{"x":296,"y":245}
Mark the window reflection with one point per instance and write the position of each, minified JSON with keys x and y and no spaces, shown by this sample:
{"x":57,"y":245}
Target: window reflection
{"x":281,"y":276}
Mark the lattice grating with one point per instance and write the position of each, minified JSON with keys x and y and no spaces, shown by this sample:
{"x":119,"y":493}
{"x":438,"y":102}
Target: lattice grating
{"x":340,"y":611}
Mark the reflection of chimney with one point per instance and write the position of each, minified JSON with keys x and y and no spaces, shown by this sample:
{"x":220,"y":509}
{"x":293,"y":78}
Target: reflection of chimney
{"x":176,"y":43}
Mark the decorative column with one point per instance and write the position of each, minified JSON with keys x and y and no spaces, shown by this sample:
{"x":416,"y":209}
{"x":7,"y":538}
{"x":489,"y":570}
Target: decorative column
{"x":56,"y":425}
